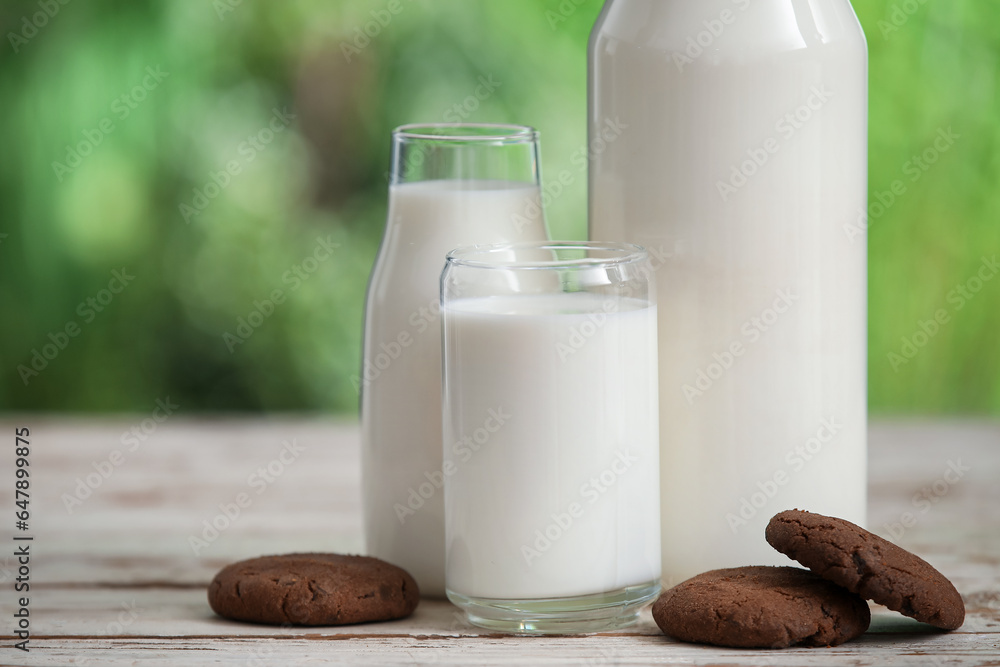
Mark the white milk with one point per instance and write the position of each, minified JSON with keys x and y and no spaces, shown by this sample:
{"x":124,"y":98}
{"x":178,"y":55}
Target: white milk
{"x":551,"y":446}
{"x":740,"y":163}
{"x":401,"y":375}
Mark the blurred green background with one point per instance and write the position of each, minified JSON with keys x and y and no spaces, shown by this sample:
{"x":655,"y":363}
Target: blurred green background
{"x":121,"y":118}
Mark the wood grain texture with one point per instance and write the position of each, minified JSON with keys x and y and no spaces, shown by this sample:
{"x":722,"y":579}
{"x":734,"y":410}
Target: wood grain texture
{"x":116,"y":581}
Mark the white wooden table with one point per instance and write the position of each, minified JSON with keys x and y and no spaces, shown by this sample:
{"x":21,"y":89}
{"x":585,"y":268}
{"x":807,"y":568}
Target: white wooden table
{"x":115,"y":579}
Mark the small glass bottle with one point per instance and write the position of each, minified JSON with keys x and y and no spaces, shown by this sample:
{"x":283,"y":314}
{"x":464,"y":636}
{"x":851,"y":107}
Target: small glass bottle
{"x":451,"y":185}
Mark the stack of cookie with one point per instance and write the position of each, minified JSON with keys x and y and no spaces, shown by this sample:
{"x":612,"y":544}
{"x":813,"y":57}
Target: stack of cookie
{"x":777,"y":607}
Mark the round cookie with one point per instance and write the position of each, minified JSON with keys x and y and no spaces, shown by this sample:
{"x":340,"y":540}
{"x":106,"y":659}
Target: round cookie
{"x":313,"y":589}
{"x":761,"y":607}
{"x":868,"y":565}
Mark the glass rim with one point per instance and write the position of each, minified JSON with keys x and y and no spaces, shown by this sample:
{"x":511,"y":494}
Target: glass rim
{"x":619,"y":254}
{"x":467,"y":132}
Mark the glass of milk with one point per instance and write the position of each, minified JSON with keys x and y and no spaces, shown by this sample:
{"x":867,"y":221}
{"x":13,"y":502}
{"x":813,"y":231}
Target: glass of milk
{"x":550,"y":423}
{"x":450,"y":185}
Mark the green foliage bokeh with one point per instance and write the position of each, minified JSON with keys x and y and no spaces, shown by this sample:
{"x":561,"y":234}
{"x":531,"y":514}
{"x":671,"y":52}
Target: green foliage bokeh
{"x":229,"y":69}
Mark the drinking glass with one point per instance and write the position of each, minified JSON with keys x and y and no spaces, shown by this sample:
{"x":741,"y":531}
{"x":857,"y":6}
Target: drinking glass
{"x":551,"y":449}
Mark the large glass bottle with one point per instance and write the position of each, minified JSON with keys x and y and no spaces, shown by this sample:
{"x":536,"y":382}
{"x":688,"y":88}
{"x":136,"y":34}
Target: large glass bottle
{"x":729,"y":137}
{"x":451,"y":185}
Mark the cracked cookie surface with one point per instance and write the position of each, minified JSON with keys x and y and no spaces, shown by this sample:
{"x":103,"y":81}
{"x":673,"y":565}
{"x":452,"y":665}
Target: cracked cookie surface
{"x":868,"y":565}
{"x":313,"y":589}
{"x":761,"y":607}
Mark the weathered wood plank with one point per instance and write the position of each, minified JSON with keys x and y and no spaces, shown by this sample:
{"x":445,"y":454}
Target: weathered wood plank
{"x":872,"y":650}
{"x":175,"y":612}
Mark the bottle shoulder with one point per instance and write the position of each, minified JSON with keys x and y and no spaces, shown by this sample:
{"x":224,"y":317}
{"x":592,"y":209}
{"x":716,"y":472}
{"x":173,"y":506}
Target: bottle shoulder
{"x":727,"y":29}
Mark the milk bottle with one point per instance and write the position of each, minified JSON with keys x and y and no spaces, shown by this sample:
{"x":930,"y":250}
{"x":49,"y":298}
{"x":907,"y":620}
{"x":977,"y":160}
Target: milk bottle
{"x":740,"y":164}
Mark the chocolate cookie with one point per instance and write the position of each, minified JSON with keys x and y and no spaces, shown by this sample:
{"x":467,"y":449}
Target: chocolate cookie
{"x":313,"y":589}
{"x":761,"y":607}
{"x":868,"y":565}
